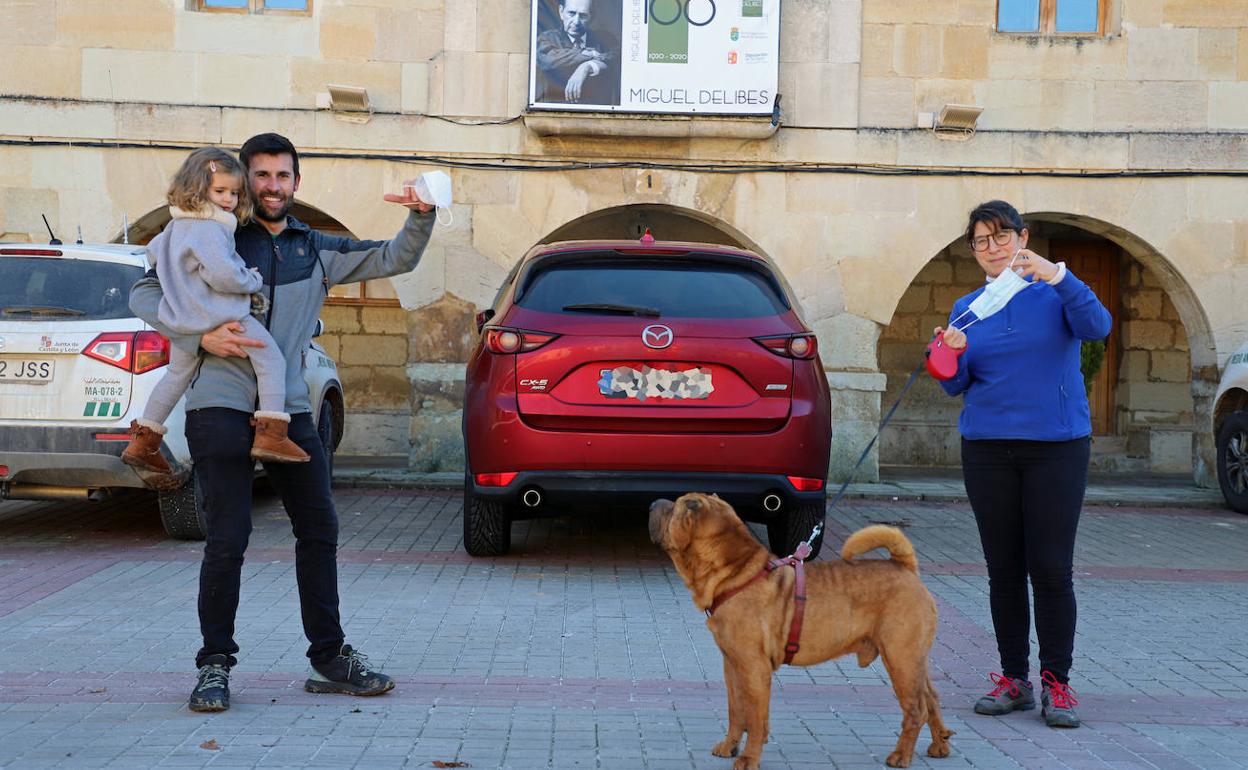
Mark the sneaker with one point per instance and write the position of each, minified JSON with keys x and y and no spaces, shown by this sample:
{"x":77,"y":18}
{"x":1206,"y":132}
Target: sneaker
{"x":1057,"y":702}
{"x":349,"y":674}
{"x":212,"y":691}
{"x":1009,"y":695}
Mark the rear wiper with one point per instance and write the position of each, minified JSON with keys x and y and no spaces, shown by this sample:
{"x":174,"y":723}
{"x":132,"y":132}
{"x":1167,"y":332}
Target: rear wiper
{"x":607,"y":307}
{"x":39,"y":310}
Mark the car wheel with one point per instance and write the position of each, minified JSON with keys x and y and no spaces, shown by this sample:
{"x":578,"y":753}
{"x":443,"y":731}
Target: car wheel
{"x":325,"y":428}
{"x":787,"y":530}
{"x":182,"y":511}
{"x":487,"y":525}
{"x":1233,"y":461}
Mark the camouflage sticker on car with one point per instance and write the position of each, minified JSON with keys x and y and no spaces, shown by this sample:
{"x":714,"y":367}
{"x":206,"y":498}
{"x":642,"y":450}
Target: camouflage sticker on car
{"x":644,"y":383}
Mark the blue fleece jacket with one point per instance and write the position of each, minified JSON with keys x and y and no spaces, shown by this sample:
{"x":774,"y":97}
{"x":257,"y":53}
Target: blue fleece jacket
{"x":1019,"y":376}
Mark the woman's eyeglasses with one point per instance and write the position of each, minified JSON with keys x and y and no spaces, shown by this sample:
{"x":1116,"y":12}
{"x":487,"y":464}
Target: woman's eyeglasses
{"x":1000,"y":237}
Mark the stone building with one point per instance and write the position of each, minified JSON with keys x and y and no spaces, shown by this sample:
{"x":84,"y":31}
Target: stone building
{"x":1125,"y":146}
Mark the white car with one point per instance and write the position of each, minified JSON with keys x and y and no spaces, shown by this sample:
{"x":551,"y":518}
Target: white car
{"x":1230,"y":430}
{"x":76,"y":366}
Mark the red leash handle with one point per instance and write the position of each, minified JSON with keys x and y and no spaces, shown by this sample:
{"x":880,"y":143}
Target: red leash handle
{"x":942,"y":360}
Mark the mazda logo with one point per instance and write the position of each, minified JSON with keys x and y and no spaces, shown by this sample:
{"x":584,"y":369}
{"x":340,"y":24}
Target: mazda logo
{"x":657,"y":336}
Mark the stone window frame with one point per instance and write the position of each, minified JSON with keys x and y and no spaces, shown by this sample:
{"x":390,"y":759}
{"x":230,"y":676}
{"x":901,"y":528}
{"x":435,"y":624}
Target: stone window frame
{"x":253,"y":7}
{"x":1048,"y":21}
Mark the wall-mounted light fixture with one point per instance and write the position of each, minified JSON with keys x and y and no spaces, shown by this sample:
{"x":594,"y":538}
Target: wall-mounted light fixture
{"x":350,"y":103}
{"x":956,"y":121}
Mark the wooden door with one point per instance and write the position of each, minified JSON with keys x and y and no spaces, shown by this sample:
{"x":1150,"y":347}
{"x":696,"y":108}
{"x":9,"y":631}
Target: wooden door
{"x":1096,"y":264}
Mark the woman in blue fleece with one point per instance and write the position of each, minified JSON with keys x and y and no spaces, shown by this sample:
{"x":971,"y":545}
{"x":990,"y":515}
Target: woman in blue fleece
{"x":1026,"y":439}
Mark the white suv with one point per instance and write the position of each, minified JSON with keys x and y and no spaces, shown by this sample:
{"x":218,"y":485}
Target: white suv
{"x":1230,"y":430}
{"x":76,"y":366}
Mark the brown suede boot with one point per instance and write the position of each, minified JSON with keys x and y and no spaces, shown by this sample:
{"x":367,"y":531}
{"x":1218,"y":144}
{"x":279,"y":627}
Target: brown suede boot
{"x":271,"y":444}
{"x":143,"y":451}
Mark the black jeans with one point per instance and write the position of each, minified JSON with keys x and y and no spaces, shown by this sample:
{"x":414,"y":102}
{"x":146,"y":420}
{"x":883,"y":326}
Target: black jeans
{"x":1027,"y":496}
{"x":220,"y":444}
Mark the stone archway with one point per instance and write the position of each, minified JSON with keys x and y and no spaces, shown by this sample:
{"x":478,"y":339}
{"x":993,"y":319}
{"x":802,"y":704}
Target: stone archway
{"x":142,"y":230}
{"x":1159,"y":398}
{"x":665,"y":222}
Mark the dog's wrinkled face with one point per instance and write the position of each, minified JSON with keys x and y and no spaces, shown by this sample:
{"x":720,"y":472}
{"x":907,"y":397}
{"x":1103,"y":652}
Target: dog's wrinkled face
{"x":673,"y":525}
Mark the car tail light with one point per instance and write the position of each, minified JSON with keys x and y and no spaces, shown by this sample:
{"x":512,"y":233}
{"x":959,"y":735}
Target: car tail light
{"x":135,"y":352}
{"x":30,"y":252}
{"x":495,"y":479}
{"x":151,"y":351}
{"x":803,"y":346}
{"x":112,"y":437}
{"x":503,"y":340}
{"x":4,"y":471}
{"x":803,"y":484}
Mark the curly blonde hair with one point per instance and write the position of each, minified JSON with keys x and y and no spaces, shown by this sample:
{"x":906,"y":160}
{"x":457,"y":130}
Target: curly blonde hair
{"x":189,"y":188}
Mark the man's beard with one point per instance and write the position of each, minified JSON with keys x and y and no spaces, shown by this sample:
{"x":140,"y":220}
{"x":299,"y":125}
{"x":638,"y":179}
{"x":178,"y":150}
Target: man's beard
{"x":279,"y":215}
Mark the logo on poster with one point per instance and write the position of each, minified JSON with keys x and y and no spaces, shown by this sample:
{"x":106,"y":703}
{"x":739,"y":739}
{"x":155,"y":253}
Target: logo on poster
{"x":732,"y":57}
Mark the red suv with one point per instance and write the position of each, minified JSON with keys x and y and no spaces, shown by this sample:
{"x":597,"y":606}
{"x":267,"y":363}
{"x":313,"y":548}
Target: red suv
{"x":615,"y":372}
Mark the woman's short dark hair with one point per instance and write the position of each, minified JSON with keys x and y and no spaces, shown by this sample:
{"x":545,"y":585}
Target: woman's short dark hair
{"x":268,"y":144}
{"x":998,"y":215}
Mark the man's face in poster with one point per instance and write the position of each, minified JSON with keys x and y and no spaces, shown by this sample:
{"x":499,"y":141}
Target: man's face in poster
{"x":576,"y":15}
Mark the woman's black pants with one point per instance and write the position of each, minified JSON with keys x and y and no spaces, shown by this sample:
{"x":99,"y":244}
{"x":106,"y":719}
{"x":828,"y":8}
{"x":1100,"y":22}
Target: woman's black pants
{"x":1027,"y":496}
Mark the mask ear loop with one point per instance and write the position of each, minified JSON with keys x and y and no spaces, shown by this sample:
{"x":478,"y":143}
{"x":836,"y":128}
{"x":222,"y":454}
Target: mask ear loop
{"x":450,"y":216}
{"x":959,"y":318}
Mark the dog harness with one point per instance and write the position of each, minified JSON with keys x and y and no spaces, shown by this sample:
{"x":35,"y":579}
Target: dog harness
{"x":797,"y":561}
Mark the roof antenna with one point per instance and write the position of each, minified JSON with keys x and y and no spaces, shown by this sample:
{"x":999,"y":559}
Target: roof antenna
{"x":125,"y":228}
{"x":54,"y":241}
{"x":79,"y":241}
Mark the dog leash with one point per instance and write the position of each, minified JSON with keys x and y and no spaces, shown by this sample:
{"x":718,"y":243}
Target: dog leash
{"x":806,"y":547}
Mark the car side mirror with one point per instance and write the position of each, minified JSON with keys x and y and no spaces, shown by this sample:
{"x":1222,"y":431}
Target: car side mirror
{"x":319,"y":330}
{"x":483,"y":317}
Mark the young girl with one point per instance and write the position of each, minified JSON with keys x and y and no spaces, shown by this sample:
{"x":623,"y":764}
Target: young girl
{"x":206,"y":284}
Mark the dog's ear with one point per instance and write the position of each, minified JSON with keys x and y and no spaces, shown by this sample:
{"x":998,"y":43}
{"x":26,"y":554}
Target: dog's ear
{"x":693,"y":505}
{"x":684,"y":519}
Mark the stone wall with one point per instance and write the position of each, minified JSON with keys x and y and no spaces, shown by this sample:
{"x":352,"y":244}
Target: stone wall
{"x":1154,"y":394}
{"x":370,"y":345}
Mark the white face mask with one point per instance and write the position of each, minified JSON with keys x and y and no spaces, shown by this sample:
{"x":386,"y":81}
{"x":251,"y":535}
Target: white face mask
{"x":435,"y":187}
{"x":996,"y":295}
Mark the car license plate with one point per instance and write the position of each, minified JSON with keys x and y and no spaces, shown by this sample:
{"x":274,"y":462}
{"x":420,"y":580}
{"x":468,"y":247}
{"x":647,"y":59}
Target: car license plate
{"x":644,"y":383}
{"x":26,"y":370}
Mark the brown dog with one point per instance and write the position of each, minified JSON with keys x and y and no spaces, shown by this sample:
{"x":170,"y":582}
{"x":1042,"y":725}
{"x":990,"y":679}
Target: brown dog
{"x":870,"y":607}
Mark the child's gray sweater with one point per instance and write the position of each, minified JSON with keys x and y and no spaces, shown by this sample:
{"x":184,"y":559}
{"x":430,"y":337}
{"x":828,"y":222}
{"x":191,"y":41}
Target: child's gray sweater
{"x":205,"y":282}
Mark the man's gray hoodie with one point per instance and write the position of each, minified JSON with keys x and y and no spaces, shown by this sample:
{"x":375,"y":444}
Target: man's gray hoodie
{"x":205,"y":282}
{"x":297,"y":266}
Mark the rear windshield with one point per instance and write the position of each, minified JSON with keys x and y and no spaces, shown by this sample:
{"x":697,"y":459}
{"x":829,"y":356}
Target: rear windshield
{"x":64,"y":289}
{"x":672,"y":288}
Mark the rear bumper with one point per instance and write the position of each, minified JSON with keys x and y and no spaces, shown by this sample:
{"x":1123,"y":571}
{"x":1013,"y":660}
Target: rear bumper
{"x":569,"y":489}
{"x":65,"y":457}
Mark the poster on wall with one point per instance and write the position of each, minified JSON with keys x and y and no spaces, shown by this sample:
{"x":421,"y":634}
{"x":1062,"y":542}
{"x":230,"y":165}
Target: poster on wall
{"x":713,"y":57}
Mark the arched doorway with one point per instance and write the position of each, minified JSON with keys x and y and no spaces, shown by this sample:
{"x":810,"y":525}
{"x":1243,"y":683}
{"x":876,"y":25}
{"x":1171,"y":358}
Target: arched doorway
{"x":1149,"y":393}
{"x":666,"y":223}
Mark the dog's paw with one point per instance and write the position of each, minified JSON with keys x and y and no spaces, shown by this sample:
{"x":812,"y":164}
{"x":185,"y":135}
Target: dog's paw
{"x":726,"y":748}
{"x":938,"y":749}
{"x":745,"y":763}
{"x":897,"y":759}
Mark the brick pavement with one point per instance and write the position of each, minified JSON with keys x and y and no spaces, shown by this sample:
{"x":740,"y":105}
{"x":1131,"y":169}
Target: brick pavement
{"x":582,"y":649}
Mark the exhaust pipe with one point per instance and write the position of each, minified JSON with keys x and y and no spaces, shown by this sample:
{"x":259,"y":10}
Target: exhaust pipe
{"x":43,"y":492}
{"x":531,"y":498}
{"x":772,"y":502}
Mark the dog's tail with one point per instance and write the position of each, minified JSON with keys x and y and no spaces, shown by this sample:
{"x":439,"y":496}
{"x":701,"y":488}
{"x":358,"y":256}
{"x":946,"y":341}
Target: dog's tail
{"x":881,"y":536}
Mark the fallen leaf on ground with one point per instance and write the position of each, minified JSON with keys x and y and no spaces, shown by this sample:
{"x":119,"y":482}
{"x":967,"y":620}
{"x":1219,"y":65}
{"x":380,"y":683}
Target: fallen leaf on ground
{"x":211,"y":745}
{"x":439,"y":763}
